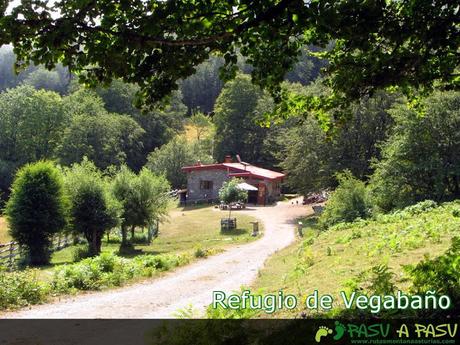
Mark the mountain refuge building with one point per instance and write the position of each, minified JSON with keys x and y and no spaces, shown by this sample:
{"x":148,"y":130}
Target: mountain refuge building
{"x":205,"y":180}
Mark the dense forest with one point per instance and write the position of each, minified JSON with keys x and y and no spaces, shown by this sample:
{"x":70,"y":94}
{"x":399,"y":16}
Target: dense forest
{"x":48,"y":115}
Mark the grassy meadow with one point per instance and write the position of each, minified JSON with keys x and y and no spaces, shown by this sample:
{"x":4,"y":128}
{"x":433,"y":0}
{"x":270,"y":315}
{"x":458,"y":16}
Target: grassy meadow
{"x":4,"y":236}
{"x":185,"y":231}
{"x":340,"y":258}
{"x":190,"y":234}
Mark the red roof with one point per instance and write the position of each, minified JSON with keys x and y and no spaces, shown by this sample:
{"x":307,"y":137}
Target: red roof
{"x":238,"y":170}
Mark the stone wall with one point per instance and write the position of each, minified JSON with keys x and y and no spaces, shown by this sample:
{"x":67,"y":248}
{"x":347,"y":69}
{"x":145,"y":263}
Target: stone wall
{"x":194,"y":178}
{"x":272,"y":193}
{"x":218,"y":177}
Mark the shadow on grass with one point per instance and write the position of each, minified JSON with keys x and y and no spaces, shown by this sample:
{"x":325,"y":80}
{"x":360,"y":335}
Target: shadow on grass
{"x":195,"y":207}
{"x":310,"y":226}
{"x":235,"y":232}
{"x":309,"y":222}
{"x":67,"y":255}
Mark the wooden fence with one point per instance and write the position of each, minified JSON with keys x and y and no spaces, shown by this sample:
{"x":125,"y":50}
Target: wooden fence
{"x":11,"y":252}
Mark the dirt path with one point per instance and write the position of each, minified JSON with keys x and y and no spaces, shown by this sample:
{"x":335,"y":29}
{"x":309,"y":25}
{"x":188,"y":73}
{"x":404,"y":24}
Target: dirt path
{"x":190,"y":285}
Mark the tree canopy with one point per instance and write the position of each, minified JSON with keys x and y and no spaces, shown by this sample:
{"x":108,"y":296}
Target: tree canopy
{"x":37,"y":209}
{"x":373,"y":44}
{"x":235,"y":118}
{"x":93,"y":210}
{"x":312,"y":159}
{"x":144,"y":199}
{"x":169,"y":159}
{"x":31,"y":123}
{"x":421,"y":158}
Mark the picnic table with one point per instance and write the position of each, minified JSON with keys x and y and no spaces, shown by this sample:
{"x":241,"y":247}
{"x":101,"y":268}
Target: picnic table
{"x":233,"y":206}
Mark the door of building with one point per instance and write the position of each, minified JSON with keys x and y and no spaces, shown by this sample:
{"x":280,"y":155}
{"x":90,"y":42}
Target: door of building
{"x":261,"y":194}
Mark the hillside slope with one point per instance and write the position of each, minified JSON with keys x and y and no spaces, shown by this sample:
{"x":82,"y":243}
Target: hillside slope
{"x":342,"y":257}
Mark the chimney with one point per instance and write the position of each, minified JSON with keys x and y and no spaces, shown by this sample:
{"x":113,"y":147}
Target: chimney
{"x":228,"y":159}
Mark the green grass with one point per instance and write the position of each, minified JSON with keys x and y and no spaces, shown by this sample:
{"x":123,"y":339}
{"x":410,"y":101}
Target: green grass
{"x":186,"y":230}
{"x":329,"y":260}
{"x":190,"y":234}
{"x":4,"y":236}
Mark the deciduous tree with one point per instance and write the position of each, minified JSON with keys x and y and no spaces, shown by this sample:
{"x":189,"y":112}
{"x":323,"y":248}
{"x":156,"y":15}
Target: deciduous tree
{"x":169,"y":159}
{"x":421,"y":159}
{"x":93,"y":210}
{"x":235,"y":119}
{"x":144,"y":199}
{"x":37,"y":209}
{"x":376,"y":44}
{"x":230,"y":192}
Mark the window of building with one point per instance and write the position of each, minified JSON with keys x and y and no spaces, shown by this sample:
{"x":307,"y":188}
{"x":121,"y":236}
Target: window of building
{"x":207,"y":185}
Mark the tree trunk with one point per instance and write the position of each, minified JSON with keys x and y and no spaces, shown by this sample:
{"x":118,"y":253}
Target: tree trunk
{"x":39,"y":256}
{"x":132,"y":233}
{"x":124,"y":237}
{"x":95,"y":244}
{"x":98,"y":243}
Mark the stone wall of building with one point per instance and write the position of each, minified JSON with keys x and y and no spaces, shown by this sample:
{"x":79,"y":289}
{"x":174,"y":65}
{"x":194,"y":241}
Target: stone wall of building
{"x":218,"y":177}
{"x":194,"y":178}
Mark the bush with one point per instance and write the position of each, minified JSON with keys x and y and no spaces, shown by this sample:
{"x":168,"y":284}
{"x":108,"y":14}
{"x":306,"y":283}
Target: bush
{"x":349,"y":202}
{"x":108,"y":270}
{"x":80,"y":253}
{"x":37,"y":209}
{"x":20,"y":289}
{"x":418,"y":208}
{"x":441,"y":274}
{"x":200,"y":252}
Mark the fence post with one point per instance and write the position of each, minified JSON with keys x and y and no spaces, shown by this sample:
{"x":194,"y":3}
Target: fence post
{"x":11,"y":258}
{"x":300,"y":229}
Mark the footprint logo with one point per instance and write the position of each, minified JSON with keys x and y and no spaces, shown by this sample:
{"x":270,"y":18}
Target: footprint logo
{"x":322,"y":332}
{"x":339,"y":330}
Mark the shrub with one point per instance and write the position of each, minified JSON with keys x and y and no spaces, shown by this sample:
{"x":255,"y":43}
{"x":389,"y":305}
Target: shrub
{"x":19,"y":289}
{"x":381,"y":280}
{"x":80,"y":253}
{"x":37,"y":209}
{"x":441,"y":274}
{"x":162,"y":262}
{"x":349,"y":202}
{"x":205,"y":252}
{"x":420,"y":207}
{"x":109,"y":270}
{"x":96,"y":273}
